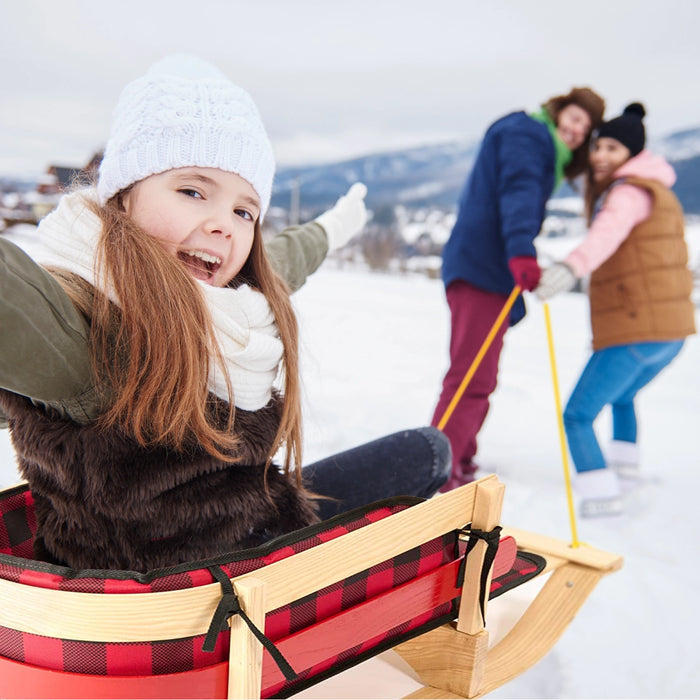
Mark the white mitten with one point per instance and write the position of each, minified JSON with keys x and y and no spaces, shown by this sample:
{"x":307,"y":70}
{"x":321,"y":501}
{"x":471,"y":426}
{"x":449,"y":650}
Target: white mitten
{"x":555,"y":279}
{"x":347,"y":218}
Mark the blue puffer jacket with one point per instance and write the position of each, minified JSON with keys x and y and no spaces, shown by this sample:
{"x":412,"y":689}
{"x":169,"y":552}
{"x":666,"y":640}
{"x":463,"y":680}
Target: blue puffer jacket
{"x":502,"y":206}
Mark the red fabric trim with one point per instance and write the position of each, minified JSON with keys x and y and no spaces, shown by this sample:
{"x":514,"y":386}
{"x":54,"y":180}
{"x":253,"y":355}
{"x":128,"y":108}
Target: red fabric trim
{"x":24,"y":681}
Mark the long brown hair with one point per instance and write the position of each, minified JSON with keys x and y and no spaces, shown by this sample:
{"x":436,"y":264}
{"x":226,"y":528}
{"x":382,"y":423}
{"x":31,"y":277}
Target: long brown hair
{"x":153,"y":351}
{"x":593,"y":190}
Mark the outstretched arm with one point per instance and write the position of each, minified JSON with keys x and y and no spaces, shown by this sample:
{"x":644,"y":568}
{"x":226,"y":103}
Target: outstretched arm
{"x":298,"y":251}
{"x":523,"y":181}
{"x":43,"y":344}
{"x":625,"y":207}
{"x":523,"y":165}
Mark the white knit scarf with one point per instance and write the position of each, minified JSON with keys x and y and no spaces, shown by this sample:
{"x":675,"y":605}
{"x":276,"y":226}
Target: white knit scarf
{"x":244,"y":324}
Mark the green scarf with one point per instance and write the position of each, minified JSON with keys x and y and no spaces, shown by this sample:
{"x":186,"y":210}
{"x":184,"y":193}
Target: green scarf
{"x":562,"y":153}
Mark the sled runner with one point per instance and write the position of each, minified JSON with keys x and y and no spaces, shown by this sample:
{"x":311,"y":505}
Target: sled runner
{"x":411,"y":575}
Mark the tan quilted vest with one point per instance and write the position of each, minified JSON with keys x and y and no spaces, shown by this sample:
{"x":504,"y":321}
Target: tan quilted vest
{"x":642,"y":292}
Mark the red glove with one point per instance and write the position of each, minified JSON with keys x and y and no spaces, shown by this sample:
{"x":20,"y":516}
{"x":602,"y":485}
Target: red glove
{"x":525,"y":270}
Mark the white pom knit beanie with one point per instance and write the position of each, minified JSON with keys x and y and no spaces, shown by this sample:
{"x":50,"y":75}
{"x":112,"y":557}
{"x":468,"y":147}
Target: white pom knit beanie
{"x":184,"y":112}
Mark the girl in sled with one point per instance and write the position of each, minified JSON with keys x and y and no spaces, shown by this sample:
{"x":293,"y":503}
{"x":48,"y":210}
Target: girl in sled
{"x":161,"y":452}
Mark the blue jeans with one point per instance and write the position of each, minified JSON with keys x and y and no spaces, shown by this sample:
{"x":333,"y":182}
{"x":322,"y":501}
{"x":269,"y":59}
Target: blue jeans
{"x":612,"y":376}
{"x":411,"y":462}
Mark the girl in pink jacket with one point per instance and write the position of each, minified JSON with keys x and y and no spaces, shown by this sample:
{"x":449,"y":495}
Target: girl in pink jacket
{"x":641,"y":310}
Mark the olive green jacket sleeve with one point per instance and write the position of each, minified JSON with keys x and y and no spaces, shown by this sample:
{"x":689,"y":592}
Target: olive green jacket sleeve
{"x":44,"y":340}
{"x":297,"y":252}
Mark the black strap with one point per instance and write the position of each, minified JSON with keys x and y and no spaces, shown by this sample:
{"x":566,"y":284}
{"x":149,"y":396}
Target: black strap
{"x":229,"y":606}
{"x":492,"y":539}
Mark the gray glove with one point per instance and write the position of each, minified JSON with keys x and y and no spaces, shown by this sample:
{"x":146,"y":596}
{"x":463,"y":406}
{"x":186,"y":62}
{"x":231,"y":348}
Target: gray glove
{"x":346,"y":218}
{"x":555,"y":279}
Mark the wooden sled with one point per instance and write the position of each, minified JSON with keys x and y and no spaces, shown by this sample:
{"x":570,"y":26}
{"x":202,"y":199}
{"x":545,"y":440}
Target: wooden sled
{"x":453,"y":660}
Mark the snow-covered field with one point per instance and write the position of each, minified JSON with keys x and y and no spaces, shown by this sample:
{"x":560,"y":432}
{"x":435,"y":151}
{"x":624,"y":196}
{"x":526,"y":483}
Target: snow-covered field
{"x":374,"y":351}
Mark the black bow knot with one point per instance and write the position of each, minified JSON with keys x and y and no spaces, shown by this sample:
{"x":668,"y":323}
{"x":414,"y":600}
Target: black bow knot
{"x":492,"y":539}
{"x":228,"y":607}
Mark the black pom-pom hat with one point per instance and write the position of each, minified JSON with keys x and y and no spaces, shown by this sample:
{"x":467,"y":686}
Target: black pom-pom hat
{"x":628,"y":128}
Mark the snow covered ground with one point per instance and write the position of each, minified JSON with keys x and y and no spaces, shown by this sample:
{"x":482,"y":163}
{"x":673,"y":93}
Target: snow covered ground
{"x":374,"y":352}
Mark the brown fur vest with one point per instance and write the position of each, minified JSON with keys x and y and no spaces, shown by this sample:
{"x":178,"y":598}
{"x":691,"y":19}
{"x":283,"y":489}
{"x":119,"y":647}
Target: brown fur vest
{"x":105,"y":502}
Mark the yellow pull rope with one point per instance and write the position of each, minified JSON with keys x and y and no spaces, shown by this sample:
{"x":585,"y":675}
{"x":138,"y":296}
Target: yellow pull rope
{"x":560,"y":421}
{"x":479,"y":357}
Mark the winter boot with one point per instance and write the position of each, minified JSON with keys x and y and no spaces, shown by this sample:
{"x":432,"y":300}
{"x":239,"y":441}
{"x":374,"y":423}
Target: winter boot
{"x":598,"y":492}
{"x":623,"y":457}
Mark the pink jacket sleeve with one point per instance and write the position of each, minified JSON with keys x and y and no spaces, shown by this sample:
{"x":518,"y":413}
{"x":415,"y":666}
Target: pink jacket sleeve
{"x":624,"y":208}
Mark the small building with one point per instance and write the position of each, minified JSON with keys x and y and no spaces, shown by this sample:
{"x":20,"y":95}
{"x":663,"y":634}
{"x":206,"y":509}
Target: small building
{"x":62,"y":177}
{"x":32,"y":206}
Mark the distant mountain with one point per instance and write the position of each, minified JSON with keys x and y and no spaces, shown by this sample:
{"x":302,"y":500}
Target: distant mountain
{"x":678,"y":146}
{"x":434,"y":176}
{"x":682,"y":149}
{"x":428,"y":175}
{"x":687,"y":187}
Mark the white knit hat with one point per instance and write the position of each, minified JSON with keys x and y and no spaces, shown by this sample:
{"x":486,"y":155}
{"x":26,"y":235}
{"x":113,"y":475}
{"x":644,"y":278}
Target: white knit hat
{"x":184,"y":112}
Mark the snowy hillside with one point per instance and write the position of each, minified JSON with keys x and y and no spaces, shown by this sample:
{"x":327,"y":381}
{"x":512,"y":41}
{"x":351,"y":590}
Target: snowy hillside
{"x":427,"y":175}
{"x":680,"y":145}
{"x":374,"y":350}
{"x":434,"y":175}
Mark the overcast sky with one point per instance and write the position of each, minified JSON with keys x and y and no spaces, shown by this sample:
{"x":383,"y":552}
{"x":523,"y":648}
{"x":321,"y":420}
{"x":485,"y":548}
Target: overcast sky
{"x":338,"y":78}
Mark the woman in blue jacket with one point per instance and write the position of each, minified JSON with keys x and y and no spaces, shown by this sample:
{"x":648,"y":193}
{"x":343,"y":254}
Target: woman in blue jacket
{"x":523,"y":158}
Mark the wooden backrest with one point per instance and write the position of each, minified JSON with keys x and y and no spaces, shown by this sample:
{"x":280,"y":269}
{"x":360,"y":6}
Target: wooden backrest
{"x":135,"y":617}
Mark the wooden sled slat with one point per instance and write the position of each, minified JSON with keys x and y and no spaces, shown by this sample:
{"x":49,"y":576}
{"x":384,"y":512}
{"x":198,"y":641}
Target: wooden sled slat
{"x":541,"y":626}
{"x":430,"y":693}
{"x":185,"y":613}
{"x":558,"y":551}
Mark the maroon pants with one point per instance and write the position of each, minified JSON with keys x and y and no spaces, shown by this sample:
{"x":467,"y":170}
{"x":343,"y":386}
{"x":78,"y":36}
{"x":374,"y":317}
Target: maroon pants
{"x":473,"y":312}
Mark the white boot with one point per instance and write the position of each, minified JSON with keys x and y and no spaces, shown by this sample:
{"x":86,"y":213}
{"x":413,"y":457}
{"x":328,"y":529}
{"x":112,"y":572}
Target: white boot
{"x":623,"y":457}
{"x":598,"y":491}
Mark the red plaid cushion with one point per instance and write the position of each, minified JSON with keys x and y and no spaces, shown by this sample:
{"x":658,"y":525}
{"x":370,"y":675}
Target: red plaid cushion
{"x":17,"y":523}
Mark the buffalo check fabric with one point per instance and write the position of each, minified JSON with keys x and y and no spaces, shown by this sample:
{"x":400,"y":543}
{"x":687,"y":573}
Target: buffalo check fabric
{"x":17,"y":526}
